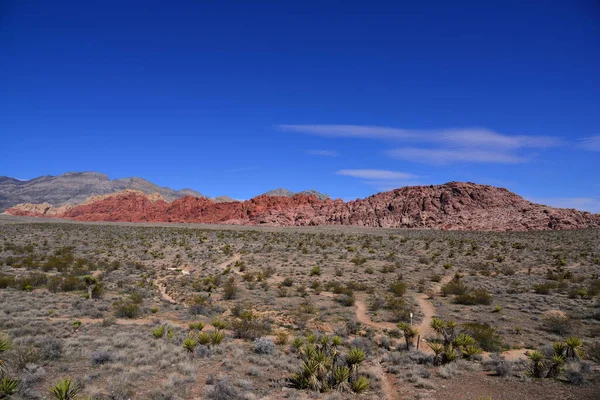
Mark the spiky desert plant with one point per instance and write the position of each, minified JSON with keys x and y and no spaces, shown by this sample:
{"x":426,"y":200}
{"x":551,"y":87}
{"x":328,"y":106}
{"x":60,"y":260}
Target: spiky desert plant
{"x":437,"y":349}
{"x":311,"y":338}
{"x":189,"y":344}
{"x":341,"y":377}
{"x":360,"y":384}
{"x":573,"y":347}
{"x":197,"y":326}
{"x":337,"y":341}
{"x":170,"y":332}
{"x":560,"y":348}
{"x":471,"y":351}
{"x":218,"y":324}
{"x":65,"y":389}
{"x":556,"y":363}
{"x":354,"y":358}
{"x":444,"y":328}
{"x":4,"y":346}
{"x":297,"y":343}
{"x":8,"y":387}
{"x":216,"y":337}
{"x":537,"y":366}
{"x":158,"y":332}
{"x":410,"y":333}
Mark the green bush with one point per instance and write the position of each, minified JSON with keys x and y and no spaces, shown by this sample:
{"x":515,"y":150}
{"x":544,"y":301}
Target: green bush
{"x":475,"y":297}
{"x":487,"y":337}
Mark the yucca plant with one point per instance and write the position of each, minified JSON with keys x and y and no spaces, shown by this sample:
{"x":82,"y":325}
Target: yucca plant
{"x":4,"y":346}
{"x":560,"y":348}
{"x":158,"y":332}
{"x":197,"y":326}
{"x":410,"y":333}
{"x":556,"y":363}
{"x":537,"y":366}
{"x":297,"y":343}
{"x":573,"y":347}
{"x":341,"y":375}
{"x":216,"y":337}
{"x":471,"y":351}
{"x":438,"y":350}
{"x":311,"y":338}
{"x":170,"y":332}
{"x":218,"y":324}
{"x":8,"y":387}
{"x":444,"y":328}
{"x":360,"y":384}
{"x":204,"y":338}
{"x":355,"y":357}
{"x":337,"y":341}
{"x":189,"y":344}
{"x":65,"y":389}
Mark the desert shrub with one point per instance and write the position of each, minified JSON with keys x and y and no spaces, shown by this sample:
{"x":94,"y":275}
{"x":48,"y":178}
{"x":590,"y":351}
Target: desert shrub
{"x":230,"y":289}
{"x":487,"y":337}
{"x":101,"y":357}
{"x":315,"y":271}
{"x":544,"y":288}
{"x":51,"y":349}
{"x":593,"y":352}
{"x":216,"y":337}
{"x":573,"y":374}
{"x":126,"y":308}
{"x":288,"y":282}
{"x":264,"y":346}
{"x":201,"y":305}
{"x":223,"y":389}
{"x":346,"y":300}
{"x":398,"y":288}
{"x":474,"y":297}
{"x":455,"y":286}
{"x":557,"y":323}
{"x":249,"y":325}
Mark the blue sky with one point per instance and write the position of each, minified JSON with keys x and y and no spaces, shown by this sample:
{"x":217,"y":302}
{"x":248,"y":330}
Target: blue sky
{"x":349,"y":98}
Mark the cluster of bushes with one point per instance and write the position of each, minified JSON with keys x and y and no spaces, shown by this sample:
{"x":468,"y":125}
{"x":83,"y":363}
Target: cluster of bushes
{"x":552,"y":364}
{"x":129,"y":306}
{"x":464,"y":294}
{"x":465,"y":344}
{"x":247,"y":324}
{"x":325,"y":367}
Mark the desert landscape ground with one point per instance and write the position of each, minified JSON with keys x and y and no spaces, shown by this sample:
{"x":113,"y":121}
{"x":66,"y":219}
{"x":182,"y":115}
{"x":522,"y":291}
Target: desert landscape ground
{"x":182,"y":311}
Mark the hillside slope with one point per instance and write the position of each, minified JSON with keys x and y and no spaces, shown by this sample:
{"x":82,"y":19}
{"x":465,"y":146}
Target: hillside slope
{"x":452,"y":206}
{"x":76,"y":187}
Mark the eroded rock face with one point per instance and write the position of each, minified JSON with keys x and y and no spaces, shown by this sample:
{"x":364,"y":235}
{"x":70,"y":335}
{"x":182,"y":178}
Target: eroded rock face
{"x":452,"y":206}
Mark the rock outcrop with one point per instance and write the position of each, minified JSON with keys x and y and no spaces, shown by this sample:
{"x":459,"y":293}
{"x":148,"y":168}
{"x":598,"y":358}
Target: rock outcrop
{"x":452,"y":206}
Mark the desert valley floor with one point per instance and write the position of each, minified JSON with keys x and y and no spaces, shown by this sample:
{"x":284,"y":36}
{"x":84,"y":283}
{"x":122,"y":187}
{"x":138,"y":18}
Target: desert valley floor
{"x":184,"y":311}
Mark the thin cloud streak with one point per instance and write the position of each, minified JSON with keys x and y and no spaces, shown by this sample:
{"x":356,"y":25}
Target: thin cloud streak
{"x":591,"y":143}
{"x":376,"y":174}
{"x":323,"y":153}
{"x":462,"y":137}
{"x":446,"y":156}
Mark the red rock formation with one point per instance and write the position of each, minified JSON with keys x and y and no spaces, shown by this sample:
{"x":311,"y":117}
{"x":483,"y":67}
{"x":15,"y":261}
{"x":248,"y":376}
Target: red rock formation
{"x":452,"y":206}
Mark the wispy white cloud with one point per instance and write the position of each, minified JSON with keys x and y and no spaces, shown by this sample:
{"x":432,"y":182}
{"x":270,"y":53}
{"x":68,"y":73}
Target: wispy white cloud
{"x":590,"y":143}
{"x":439,"y":146}
{"x":376,"y":174}
{"x":358,"y":131}
{"x":581,"y":203}
{"x":446,"y":156}
{"x":469,"y":137}
{"x":381,"y":179}
{"x":322,"y":153}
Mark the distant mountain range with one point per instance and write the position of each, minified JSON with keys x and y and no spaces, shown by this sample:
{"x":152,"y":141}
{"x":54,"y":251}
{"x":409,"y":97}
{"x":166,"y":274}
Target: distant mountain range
{"x":451,"y":206}
{"x":77,"y":187}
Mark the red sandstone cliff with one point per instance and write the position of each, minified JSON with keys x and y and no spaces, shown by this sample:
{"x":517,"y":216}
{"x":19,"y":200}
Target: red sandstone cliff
{"x":455,"y":205}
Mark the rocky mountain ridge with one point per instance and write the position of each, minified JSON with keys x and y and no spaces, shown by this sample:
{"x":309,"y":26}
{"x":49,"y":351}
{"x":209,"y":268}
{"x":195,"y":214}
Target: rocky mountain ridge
{"x":451,"y":206}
